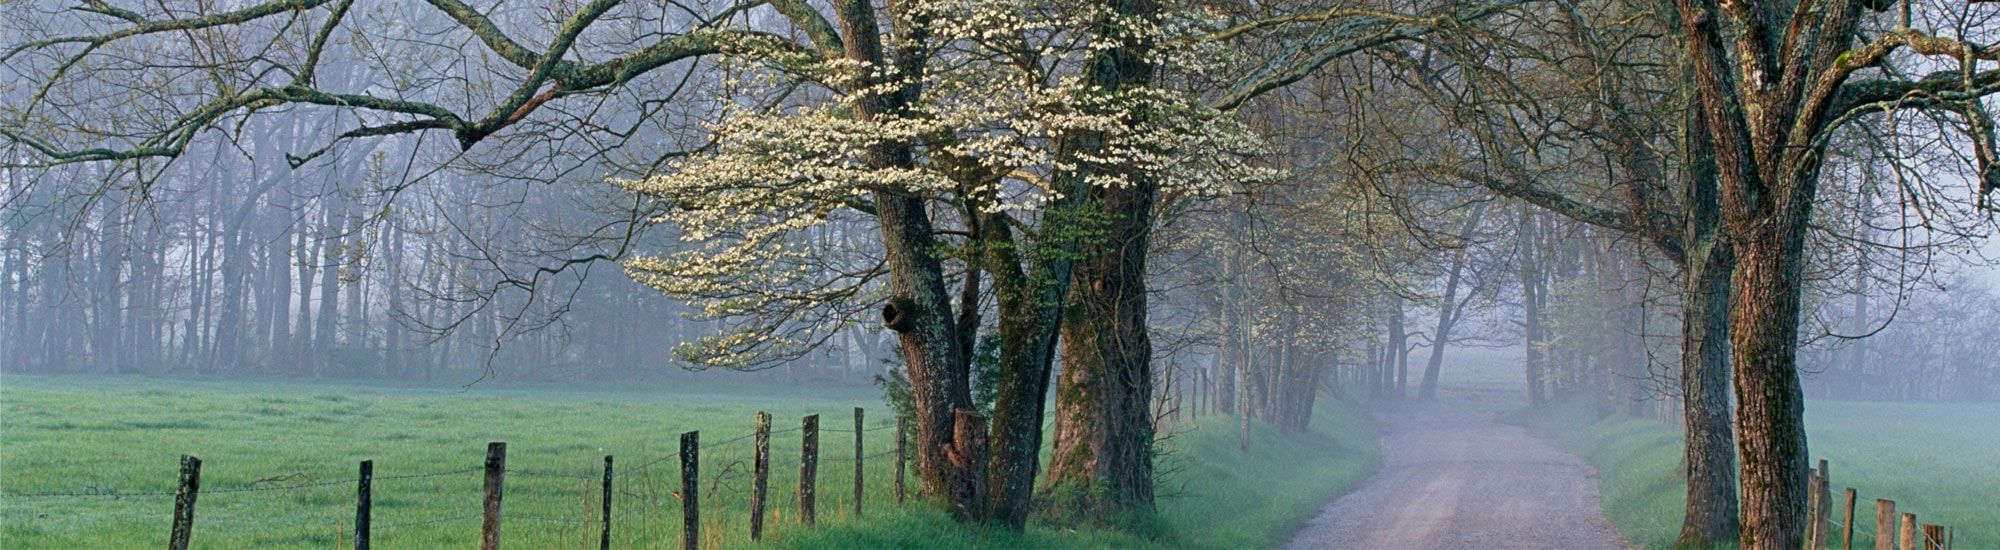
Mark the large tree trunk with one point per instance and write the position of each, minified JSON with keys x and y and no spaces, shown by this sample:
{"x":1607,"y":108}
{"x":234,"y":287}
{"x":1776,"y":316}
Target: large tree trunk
{"x":1770,"y":405}
{"x":919,"y":307}
{"x":1711,"y":517}
{"x":1030,"y":306}
{"x":1103,"y":460}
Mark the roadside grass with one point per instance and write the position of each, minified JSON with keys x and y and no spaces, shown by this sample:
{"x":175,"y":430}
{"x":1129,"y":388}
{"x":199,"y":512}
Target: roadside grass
{"x":279,"y":458}
{"x":1211,"y":493}
{"x":1934,"y":459}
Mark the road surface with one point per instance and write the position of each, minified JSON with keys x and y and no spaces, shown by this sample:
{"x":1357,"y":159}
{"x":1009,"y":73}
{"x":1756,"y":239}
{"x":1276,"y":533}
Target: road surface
{"x":1454,"y":477}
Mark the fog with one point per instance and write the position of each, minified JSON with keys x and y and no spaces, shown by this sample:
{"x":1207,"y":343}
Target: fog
{"x":1092,"y":263}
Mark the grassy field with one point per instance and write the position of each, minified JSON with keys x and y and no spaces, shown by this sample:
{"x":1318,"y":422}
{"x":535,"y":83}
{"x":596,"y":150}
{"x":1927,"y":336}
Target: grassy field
{"x":91,"y":461}
{"x":1936,"y":460}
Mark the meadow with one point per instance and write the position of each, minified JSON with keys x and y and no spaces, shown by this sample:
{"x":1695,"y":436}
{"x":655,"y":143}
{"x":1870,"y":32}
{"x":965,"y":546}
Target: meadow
{"x":91,"y":462}
{"x":1936,"y":460}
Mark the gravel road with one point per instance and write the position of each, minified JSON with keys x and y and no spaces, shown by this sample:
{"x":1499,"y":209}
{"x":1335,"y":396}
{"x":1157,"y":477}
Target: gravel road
{"x":1454,"y":478}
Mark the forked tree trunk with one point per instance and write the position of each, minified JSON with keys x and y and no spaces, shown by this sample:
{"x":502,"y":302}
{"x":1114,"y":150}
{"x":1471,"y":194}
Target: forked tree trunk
{"x":1030,"y":315}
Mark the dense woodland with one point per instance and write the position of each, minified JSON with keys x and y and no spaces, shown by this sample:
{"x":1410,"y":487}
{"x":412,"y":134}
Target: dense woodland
{"x":1699,"y":211}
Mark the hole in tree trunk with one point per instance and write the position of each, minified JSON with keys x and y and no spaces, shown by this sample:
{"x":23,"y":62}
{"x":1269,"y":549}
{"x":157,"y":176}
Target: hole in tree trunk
{"x":896,"y":314}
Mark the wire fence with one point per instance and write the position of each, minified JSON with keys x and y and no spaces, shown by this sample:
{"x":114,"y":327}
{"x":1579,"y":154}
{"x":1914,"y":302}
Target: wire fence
{"x":543,"y":504}
{"x":1841,"y":521}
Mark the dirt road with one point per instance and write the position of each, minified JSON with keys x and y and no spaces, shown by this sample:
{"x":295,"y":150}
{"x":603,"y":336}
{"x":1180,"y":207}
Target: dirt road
{"x":1458,"y":478}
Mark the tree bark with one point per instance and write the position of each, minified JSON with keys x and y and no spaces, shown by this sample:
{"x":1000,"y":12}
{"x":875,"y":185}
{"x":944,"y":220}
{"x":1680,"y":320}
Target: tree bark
{"x":1030,"y":318}
{"x":1711,"y":517}
{"x":1770,"y":404}
{"x":1103,"y":460}
{"x":919,"y":307}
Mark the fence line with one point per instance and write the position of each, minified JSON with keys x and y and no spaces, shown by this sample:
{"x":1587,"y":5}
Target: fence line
{"x":1891,"y":526}
{"x":725,"y":484}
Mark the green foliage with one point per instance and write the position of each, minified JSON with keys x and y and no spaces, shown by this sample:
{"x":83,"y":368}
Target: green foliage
{"x":895,"y":383}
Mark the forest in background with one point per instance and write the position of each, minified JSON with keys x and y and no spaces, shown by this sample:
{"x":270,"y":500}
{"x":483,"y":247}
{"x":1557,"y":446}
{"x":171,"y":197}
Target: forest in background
{"x":1268,"y":200}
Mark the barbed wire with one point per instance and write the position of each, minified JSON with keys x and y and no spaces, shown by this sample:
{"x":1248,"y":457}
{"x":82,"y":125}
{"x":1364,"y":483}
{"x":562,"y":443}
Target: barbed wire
{"x":89,"y":492}
{"x":547,"y":521}
{"x":431,"y":474}
{"x":552,"y":474}
{"x":431,"y":521}
{"x":252,"y":487}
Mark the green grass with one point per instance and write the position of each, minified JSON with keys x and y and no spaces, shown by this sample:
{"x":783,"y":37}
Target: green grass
{"x":1936,"y":460}
{"x":92,"y":434}
{"x":1211,"y":493}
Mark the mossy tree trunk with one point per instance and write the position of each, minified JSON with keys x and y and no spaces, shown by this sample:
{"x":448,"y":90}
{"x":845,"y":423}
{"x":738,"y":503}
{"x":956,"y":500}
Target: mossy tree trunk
{"x":1102,"y":466}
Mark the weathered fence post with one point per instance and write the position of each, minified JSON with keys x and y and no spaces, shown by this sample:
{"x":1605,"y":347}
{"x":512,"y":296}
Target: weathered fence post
{"x":691,"y":490}
{"x":857,"y":462}
{"x":1909,"y":531}
{"x":1933,"y":537}
{"x":604,"y":536}
{"x":364,"y":500}
{"x":902,"y":424}
{"x":760,"y":475}
{"x":190,"y":487}
{"x":1847,"y":525}
{"x":1885,"y":524}
{"x":1814,"y":512}
{"x":808,"y":466}
{"x":1825,"y":504}
{"x":496,"y":474}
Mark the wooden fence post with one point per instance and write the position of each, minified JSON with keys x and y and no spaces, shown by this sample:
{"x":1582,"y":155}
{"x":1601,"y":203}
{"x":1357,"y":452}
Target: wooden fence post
{"x":760,"y":475}
{"x":604,"y":536}
{"x":902,"y":424}
{"x":1814,"y":512}
{"x":364,"y":501}
{"x":691,"y":490}
{"x":190,"y":487}
{"x":1825,"y":516}
{"x":1933,"y":537}
{"x":808,"y":466}
{"x":857,"y":462}
{"x":1847,"y":525}
{"x":496,"y":475}
{"x":1885,"y":524}
{"x":1909,"y":531}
